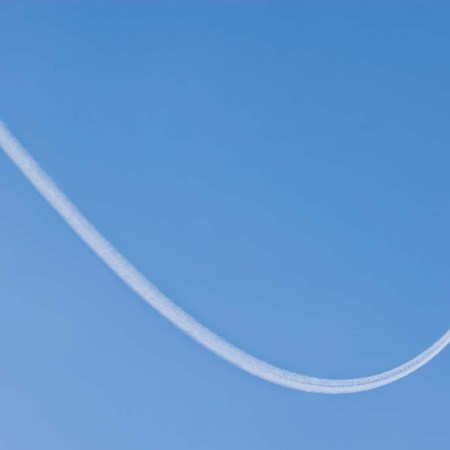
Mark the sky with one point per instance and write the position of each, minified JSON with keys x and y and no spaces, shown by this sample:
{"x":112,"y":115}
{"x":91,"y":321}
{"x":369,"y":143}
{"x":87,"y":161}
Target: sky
{"x":279,"y":169}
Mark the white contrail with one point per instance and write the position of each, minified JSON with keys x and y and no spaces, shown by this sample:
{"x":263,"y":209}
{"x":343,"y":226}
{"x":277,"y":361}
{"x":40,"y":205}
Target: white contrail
{"x":139,"y":284}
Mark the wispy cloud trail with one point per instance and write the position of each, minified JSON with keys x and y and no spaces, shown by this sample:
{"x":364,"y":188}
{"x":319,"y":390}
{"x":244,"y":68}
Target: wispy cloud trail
{"x":182,"y":320}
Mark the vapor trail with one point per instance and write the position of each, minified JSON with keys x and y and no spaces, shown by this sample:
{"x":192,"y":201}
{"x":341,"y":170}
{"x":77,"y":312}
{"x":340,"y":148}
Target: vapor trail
{"x":149,"y":293}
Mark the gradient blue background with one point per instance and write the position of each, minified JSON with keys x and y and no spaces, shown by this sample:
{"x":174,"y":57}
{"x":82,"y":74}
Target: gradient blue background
{"x":279,"y":169}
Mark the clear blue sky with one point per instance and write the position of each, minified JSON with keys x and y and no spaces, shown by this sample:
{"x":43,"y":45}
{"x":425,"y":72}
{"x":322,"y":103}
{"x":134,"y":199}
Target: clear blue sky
{"x":279,"y":169}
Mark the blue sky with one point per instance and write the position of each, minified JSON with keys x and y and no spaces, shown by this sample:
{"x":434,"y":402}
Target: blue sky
{"x":279,"y":169}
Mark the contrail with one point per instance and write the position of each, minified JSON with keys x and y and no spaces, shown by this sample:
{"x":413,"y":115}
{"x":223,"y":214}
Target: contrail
{"x":182,"y":320}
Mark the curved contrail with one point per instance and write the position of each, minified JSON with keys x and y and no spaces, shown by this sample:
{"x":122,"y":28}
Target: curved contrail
{"x":139,"y":284}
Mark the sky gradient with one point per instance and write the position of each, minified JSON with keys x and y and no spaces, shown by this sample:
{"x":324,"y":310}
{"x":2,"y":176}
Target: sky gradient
{"x":279,"y":169}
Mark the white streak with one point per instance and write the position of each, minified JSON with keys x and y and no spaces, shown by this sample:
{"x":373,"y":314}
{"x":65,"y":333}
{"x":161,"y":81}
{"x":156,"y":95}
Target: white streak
{"x":139,"y":284}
